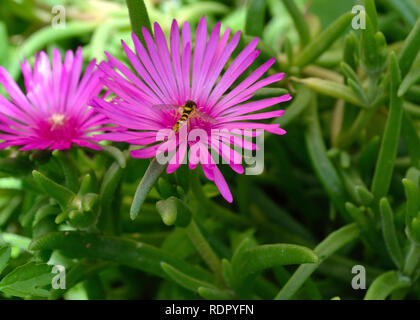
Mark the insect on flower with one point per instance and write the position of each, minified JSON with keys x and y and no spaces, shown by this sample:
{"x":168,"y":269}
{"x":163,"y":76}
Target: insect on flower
{"x":187,"y":111}
{"x":189,"y":87}
{"x":54,"y":112}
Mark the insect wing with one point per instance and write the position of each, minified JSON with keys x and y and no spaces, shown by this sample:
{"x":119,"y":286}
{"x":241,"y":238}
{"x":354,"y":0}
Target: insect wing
{"x":165,"y":106}
{"x":205,"y":117}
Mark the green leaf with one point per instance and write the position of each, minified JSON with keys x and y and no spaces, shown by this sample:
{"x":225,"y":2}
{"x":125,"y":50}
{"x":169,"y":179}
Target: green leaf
{"x":165,"y":188}
{"x":404,"y":9}
{"x":255,"y":18}
{"x":4,"y":44}
{"x":116,"y":153}
{"x":126,"y":252}
{"x":183,"y":279}
{"x":299,"y":21}
{"x":412,"y":258}
{"x":326,"y":248}
{"x":322,"y":164}
{"x":174,"y":211}
{"x":333,"y":89}
{"x":389,"y":233}
{"x":9,"y":209}
{"x":351,"y":50}
{"x":150,"y":176}
{"x":15,"y":240}
{"x":88,"y":184}
{"x":111,"y":181}
{"x":349,"y":72}
{"x":410,"y":79}
{"x":4,"y":257}
{"x":227,"y":273}
{"x":204,"y":249}
{"x":371,"y":12}
{"x":388,"y":151}
{"x":250,"y":261}
{"x":319,"y":45}
{"x":214,"y":294}
{"x":45,"y":211}
{"x":412,"y":193}
{"x":70,"y":170}
{"x":385,"y":284}
{"x":410,"y":49}
{"x":299,"y":104}
{"x":365,"y":196}
{"x":28,"y":280}
{"x":369,"y":156}
{"x":79,"y":272}
{"x":16,"y":166}
{"x":360,"y":217}
{"x":56,"y":191}
{"x":372,"y":49}
{"x":138,"y":17}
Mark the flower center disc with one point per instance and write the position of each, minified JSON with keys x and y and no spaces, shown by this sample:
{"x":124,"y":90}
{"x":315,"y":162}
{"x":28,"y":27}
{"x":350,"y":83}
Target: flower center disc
{"x":57,"y":120}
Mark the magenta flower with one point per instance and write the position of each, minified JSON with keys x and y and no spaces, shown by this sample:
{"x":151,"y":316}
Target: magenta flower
{"x":195,"y":81}
{"x":54,"y":113}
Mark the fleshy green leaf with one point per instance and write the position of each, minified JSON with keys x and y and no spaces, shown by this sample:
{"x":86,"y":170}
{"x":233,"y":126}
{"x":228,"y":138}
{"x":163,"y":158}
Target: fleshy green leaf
{"x":183,"y":279}
{"x":333,"y":89}
{"x":71,"y":172}
{"x":56,"y":191}
{"x":385,"y":284}
{"x":299,"y":104}
{"x":174,"y":211}
{"x":388,"y":151}
{"x":138,"y":16}
{"x":389,"y":233}
{"x":413,"y":206}
{"x":404,"y":10}
{"x":28,"y":280}
{"x":4,"y":257}
{"x":327,"y":247}
{"x":251,"y":261}
{"x":322,"y":164}
{"x":116,"y":153}
{"x":319,"y":45}
{"x":410,"y":79}
{"x":126,"y":252}
{"x":410,"y":49}
{"x":152,"y":173}
{"x":299,"y":21}
{"x":255,"y":18}
{"x":214,"y":294}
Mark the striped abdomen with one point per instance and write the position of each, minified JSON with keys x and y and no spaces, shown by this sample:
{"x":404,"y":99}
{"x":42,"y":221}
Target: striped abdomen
{"x":189,"y":107}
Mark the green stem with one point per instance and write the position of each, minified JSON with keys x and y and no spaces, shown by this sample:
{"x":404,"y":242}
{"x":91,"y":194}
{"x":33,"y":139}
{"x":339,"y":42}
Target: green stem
{"x":204,"y":248}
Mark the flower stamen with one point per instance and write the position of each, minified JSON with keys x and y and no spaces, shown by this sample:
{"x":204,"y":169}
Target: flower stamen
{"x":57,"y":120}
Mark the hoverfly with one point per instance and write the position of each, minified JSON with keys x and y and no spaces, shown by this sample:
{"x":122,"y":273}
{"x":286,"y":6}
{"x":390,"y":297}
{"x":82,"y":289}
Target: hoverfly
{"x":188,"y":111}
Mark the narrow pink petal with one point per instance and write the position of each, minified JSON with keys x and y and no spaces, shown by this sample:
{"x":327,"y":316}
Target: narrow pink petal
{"x":221,"y":184}
{"x":200,"y":45}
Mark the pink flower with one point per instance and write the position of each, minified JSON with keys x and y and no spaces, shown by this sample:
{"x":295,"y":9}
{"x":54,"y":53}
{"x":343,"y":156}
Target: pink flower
{"x":54,"y":113}
{"x":175,"y":76}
